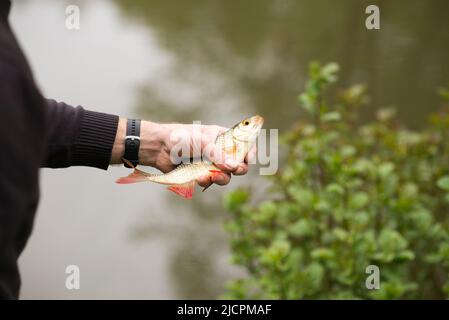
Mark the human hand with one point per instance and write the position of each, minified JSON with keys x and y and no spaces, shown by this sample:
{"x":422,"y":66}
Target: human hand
{"x":160,"y":141}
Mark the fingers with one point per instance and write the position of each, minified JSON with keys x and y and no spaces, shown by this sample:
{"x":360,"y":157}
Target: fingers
{"x":205,"y":181}
{"x":229,"y":167}
{"x":206,"y":143}
{"x":241,"y":169}
{"x":220,"y":179}
{"x":235,"y":168}
{"x":230,"y":164}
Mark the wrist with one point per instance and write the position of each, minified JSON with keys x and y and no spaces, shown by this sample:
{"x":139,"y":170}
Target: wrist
{"x":152,"y":142}
{"x":118,"y":149}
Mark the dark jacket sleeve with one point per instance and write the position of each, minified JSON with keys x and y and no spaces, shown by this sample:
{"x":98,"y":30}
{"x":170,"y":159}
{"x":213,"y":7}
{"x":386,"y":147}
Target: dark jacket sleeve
{"x":78,"y":137}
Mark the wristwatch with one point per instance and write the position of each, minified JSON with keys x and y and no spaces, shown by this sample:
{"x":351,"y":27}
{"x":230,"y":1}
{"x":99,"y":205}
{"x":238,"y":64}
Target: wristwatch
{"x":132,"y":142}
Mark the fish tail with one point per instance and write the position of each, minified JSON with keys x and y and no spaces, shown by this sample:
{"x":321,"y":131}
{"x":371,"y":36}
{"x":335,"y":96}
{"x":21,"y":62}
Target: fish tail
{"x":136,"y":176}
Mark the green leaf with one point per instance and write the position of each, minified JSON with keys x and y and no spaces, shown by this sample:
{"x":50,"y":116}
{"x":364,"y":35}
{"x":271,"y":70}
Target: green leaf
{"x":348,"y":151}
{"x":267,"y":211}
{"x":391,"y":241}
{"x":358,"y":200}
{"x":443,"y":183}
{"x":392,"y":290}
{"x":410,"y":190}
{"x":422,"y":218}
{"x":331,"y":116}
{"x":340,"y":234}
{"x":322,"y":253}
{"x":335,"y":188}
{"x":349,"y":194}
{"x":329,"y":72}
{"x":302,"y":195}
{"x":308,"y":103}
{"x":405,"y":255}
{"x":385,"y":169}
{"x":275,"y":253}
{"x":302,"y":228}
{"x":235,"y":199}
{"x":386,"y":114}
{"x":314,"y":274}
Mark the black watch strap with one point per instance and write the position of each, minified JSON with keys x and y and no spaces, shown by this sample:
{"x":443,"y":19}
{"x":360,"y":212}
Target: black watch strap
{"x":132,"y":142}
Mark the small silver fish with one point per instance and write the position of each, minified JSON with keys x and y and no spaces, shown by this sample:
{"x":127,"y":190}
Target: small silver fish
{"x":234,"y":143}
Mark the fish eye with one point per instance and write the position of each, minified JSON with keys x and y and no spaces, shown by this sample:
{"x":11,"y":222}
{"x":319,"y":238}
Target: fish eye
{"x":246,"y":122}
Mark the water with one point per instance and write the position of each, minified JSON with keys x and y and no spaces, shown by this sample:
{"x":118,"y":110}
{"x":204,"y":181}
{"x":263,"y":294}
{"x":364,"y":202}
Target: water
{"x":253,"y":55}
{"x":217,"y":61}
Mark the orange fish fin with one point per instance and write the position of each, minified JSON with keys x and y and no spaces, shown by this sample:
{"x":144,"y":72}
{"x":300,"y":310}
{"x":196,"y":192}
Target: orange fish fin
{"x":136,"y":176}
{"x":184,"y":190}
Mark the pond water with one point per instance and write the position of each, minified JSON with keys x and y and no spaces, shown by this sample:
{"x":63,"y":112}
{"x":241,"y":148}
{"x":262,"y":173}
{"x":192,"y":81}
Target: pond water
{"x":214,"y":61}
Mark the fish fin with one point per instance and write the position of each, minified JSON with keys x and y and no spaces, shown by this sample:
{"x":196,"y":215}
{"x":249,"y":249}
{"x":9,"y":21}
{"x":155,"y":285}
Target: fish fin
{"x":184,"y":190}
{"x":135,"y":169}
{"x":135,"y":176}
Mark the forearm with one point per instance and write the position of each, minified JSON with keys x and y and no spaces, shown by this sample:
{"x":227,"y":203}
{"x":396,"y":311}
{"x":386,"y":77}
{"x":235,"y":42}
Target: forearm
{"x":152,"y":142}
{"x":118,"y":148}
{"x":78,"y":137}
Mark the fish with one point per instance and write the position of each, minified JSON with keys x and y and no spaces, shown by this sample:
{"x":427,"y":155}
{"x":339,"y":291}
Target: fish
{"x":234,"y":143}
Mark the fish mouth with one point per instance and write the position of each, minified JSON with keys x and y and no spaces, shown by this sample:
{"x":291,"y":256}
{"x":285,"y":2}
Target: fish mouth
{"x":258,"y":120}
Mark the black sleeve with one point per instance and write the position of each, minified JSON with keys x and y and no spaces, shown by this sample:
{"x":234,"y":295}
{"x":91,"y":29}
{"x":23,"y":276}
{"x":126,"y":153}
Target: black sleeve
{"x":21,"y":146}
{"x":78,"y":137}
{"x":36,"y":132}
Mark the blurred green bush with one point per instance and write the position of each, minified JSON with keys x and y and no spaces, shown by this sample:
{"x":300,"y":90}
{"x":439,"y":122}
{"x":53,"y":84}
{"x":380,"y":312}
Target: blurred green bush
{"x":350,"y":195}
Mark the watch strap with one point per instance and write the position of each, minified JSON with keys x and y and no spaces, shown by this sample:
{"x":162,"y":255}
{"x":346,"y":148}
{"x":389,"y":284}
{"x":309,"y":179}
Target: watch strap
{"x":132,"y":142}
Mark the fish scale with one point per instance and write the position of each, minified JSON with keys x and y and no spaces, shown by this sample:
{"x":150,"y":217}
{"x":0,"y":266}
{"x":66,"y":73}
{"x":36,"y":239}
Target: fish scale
{"x":184,"y":173}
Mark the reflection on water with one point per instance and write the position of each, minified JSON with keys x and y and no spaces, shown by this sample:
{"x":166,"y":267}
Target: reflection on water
{"x":249,"y":56}
{"x":198,"y":263}
{"x":215,"y":61}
